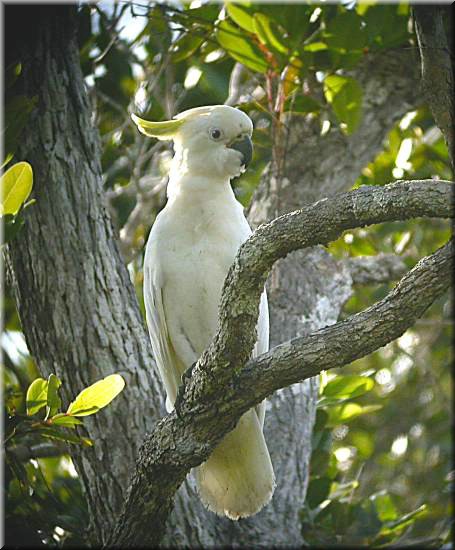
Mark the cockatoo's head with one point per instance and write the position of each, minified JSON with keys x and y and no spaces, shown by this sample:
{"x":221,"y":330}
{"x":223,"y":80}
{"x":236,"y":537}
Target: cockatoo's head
{"x":213,"y":141}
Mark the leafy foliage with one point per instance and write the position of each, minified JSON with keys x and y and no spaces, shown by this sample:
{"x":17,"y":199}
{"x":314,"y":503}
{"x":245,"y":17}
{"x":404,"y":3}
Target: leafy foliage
{"x":39,"y":487}
{"x":337,"y":511}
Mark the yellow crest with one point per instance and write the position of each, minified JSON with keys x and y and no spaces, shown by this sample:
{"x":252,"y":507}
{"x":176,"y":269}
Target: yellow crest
{"x":161,"y":130}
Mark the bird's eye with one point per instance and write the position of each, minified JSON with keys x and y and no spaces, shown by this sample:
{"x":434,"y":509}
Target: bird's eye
{"x":216,"y":134}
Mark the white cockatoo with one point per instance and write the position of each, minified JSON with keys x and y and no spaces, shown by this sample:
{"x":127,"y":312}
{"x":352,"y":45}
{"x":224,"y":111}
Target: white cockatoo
{"x":191,"y":246}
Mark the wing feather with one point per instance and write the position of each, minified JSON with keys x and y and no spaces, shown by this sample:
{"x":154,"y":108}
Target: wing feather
{"x":169,"y":365}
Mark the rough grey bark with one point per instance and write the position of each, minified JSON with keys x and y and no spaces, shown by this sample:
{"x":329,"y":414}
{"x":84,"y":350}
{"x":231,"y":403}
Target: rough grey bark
{"x":220,"y":389}
{"x":382,"y":268}
{"x":77,"y":306}
{"x":434,"y":29}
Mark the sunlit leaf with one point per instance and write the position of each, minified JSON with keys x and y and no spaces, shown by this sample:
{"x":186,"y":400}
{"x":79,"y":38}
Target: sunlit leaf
{"x":345,"y":95}
{"x":405,"y":520}
{"x":340,"y":414}
{"x":267,"y":34}
{"x":385,"y":507}
{"x":316,"y":46}
{"x":348,"y":386}
{"x":364,"y":442}
{"x":96,"y":396}
{"x":36,"y":397}
{"x":16,"y":185}
{"x":240,"y":15}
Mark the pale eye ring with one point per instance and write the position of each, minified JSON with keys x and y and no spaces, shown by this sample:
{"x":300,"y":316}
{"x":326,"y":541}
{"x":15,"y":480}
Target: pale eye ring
{"x":216,"y":134}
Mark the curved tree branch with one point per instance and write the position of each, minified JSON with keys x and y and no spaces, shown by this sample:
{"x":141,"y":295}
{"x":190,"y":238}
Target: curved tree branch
{"x":353,"y":338}
{"x":222,"y":388}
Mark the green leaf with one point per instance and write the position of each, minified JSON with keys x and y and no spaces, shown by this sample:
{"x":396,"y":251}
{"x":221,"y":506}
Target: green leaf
{"x":364,"y":441}
{"x":348,"y":386}
{"x":36,"y":397}
{"x":16,"y":185}
{"x":205,"y":14}
{"x":345,"y":32}
{"x":315,"y":46}
{"x":318,"y":491}
{"x":321,"y":420}
{"x":320,"y":457}
{"x":240,"y":16}
{"x":63,"y":419}
{"x":385,"y":507}
{"x":59,"y":435}
{"x":53,"y":400}
{"x":234,"y":42}
{"x":11,"y":226}
{"x":341,"y":414}
{"x":405,"y":520}
{"x":267,"y":33}
{"x":302,"y":105}
{"x":345,"y":95}
{"x":385,"y":26}
{"x":185,"y":47}
{"x":294,"y":18}
{"x":96,"y":396}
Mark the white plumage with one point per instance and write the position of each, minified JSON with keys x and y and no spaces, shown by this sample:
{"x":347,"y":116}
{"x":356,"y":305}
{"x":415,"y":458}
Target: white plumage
{"x":191,"y":246}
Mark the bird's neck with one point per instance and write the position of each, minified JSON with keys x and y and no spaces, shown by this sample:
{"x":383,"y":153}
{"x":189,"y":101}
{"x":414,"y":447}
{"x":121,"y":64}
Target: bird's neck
{"x":194,"y":181}
{"x":198,"y":187}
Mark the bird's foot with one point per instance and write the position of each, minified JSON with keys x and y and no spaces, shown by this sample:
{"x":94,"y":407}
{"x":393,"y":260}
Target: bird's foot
{"x":181,"y":391}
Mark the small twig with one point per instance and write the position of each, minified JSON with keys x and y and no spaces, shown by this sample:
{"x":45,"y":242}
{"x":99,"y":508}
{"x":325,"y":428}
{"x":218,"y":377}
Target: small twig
{"x":235,"y":81}
{"x":23,"y":452}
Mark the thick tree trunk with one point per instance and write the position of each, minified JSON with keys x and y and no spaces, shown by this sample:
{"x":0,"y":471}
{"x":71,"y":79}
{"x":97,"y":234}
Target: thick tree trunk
{"x":78,"y":308}
{"x":76,"y":303}
{"x":434,"y":30}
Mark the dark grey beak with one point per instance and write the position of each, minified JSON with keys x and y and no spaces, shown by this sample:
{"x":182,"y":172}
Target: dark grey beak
{"x":245,"y":146}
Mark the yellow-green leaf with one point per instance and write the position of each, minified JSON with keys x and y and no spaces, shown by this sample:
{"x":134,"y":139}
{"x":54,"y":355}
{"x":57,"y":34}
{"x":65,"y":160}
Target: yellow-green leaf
{"x":96,"y":396}
{"x":16,"y":186}
{"x":348,"y":386}
{"x":240,"y":15}
{"x":341,"y":414}
{"x":345,"y":95}
{"x":264,"y":28}
{"x":36,"y":397}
